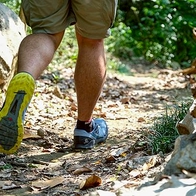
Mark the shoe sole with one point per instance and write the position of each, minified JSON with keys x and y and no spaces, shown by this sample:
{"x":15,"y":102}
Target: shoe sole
{"x":90,"y":144}
{"x":18,"y":96}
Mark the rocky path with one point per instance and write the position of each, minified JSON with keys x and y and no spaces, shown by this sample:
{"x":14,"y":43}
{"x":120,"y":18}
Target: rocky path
{"x":46,"y":163}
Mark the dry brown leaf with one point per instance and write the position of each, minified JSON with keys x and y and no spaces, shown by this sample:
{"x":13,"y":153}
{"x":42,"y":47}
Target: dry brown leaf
{"x":112,"y":104}
{"x":98,"y":162}
{"x":29,"y":134}
{"x":151,"y":163}
{"x":41,"y":184}
{"x":57,"y":92}
{"x":90,"y":182}
{"x":110,"y":159}
{"x":103,"y":114}
{"x":71,"y":114}
{"x":125,"y":100}
{"x":82,"y":170}
{"x":73,"y":107}
{"x":141,"y":119}
{"x":124,"y":154}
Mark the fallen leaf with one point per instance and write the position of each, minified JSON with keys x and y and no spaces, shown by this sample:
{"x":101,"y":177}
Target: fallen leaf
{"x":98,"y":162}
{"x":124,"y":154}
{"x":90,"y":182}
{"x":82,"y":170}
{"x":29,"y":134}
{"x":151,"y":163}
{"x":125,"y":100}
{"x":103,"y":115}
{"x":73,"y":107}
{"x":134,"y":173}
{"x":141,"y":119}
{"x":110,"y":159}
{"x":57,"y":92}
{"x":41,"y":184}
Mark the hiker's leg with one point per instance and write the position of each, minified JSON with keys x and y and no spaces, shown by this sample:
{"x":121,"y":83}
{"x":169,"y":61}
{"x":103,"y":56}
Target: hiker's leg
{"x":89,"y":75}
{"x":92,"y":26}
{"x":36,"y":52}
{"x":89,"y":78}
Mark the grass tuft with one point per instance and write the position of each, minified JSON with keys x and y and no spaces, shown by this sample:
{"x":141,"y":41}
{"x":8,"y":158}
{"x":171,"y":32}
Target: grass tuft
{"x":164,"y":132}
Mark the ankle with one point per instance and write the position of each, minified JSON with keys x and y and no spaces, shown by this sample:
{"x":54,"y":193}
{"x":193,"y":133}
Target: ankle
{"x":85,"y":125}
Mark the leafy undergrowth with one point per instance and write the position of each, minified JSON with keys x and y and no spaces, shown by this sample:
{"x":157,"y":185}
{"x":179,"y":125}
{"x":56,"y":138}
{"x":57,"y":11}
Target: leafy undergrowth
{"x":164,"y":131}
{"x":46,"y":163}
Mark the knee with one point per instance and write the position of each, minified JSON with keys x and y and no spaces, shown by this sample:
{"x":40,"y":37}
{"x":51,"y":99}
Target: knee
{"x":82,"y":41}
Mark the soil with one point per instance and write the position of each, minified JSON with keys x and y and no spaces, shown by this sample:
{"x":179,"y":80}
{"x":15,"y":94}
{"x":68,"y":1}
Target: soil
{"x":47,"y":164}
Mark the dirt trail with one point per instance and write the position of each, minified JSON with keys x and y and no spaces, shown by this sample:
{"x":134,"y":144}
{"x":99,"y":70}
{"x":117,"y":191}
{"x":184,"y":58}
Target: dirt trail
{"x":46,"y":164}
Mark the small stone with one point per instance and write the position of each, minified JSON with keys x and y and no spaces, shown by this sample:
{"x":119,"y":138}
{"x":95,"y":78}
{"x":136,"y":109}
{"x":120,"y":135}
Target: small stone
{"x":41,"y":132}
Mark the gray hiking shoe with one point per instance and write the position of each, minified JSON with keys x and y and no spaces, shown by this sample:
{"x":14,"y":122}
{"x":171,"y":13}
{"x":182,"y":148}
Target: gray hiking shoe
{"x":87,"y":140}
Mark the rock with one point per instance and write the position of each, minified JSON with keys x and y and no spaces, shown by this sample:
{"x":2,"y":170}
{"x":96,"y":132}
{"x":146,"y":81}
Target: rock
{"x":12,"y":31}
{"x":188,"y":124}
{"x":183,"y":156}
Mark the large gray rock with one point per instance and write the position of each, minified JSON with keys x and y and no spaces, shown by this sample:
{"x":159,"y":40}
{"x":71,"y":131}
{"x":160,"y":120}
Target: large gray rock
{"x":183,"y":156}
{"x":12,"y":31}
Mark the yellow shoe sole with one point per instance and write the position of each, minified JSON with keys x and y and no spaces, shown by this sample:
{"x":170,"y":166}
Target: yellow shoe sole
{"x":18,"y":96}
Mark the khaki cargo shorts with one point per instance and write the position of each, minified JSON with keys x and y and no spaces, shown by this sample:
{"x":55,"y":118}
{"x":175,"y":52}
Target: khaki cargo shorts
{"x":92,"y":18}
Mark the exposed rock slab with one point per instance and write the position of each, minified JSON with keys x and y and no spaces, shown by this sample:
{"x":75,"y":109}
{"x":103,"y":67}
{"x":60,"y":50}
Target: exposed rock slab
{"x":12,"y":31}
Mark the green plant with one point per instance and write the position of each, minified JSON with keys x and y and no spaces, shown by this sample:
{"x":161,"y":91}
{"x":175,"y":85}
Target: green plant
{"x":159,"y":30}
{"x":120,"y":41}
{"x":12,"y":4}
{"x":164,"y":132}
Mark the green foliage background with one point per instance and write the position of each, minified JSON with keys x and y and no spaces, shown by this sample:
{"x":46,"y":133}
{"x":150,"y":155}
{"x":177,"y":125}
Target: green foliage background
{"x":160,"y":31}
{"x":12,"y":4}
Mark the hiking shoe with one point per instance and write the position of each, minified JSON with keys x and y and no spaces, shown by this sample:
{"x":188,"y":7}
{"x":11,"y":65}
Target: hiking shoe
{"x":18,"y":96}
{"x":87,"y":140}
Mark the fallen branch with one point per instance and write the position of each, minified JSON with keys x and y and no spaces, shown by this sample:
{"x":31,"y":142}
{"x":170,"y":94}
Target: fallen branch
{"x":190,"y":70}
